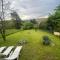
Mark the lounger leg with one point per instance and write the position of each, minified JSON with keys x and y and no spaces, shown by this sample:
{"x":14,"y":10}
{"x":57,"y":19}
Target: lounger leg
{"x":18,"y":58}
{"x":15,"y":59}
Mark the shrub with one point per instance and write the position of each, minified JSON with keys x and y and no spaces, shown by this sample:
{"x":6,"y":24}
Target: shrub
{"x":46,"y":40}
{"x":27,"y":25}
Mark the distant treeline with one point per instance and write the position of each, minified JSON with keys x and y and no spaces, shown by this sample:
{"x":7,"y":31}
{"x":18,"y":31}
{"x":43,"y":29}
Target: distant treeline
{"x":52,"y":23}
{"x":26,"y":24}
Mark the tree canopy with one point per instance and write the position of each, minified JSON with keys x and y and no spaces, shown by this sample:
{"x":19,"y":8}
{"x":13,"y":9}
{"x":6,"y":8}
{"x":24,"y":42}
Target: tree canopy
{"x":53,"y":23}
{"x":16,"y":19}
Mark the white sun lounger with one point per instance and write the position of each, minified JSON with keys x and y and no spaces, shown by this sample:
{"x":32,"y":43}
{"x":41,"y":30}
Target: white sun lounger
{"x":8,"y":50}
{"x":15,"y":54}
{"x":2,"y":48}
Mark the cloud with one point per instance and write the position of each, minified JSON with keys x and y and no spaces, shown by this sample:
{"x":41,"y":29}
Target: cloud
{"x":34,"y":8}
{"x":43,"y":17}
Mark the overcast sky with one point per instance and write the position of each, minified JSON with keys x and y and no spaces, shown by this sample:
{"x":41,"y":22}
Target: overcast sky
{"x":34,"y":8}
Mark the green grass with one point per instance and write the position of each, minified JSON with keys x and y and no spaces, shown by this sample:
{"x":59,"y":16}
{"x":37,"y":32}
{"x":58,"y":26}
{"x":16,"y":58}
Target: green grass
{"x":10,"y":31}
{"x":34,"y":49}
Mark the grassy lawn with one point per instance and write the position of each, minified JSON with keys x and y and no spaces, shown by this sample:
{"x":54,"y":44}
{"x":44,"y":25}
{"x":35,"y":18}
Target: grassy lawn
{"x":34,"y":49}
{"x":10,"y":31}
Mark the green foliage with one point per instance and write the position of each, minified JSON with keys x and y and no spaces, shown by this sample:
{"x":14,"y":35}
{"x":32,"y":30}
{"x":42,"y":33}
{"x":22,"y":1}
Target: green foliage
{"x":17,"y":20}
{"x":9,"y":24}
{"x":46,"y":40}
{"x":53,"y":23}
{"x":43,"y":25}
{"x":9,"y":32}
{"x":33,"y":21}
{"x":35,"y":24}
{"x":27,"y":25}
{"x":2,"y":30}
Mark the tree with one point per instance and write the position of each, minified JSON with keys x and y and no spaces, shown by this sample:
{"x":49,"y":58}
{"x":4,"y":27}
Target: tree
{"x":35,"y":24}
{"x":16,"y":19}
{"x":3,"y":7}
{"x":42,"y":25}
{"x":9,"y":24}
{"x":53,"y":23}
{"x":33,"y":21}
{"x":27,"y":25}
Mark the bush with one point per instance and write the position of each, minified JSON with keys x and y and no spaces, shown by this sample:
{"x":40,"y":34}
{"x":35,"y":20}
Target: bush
{"x":27,"y":25}
{"x":43,"y":25}
{"x":46,"y":40}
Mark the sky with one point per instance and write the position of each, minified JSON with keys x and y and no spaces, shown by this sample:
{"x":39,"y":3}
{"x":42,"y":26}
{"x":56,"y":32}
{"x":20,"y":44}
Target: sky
{"x":28,"y":9}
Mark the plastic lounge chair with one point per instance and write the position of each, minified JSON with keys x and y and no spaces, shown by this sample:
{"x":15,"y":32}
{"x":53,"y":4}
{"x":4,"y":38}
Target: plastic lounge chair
{"x":8,"y":50}
{"x":2,"y":48}
{"x":15,"y":54}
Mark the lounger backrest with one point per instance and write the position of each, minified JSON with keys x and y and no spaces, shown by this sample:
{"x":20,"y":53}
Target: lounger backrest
{"x":2,"y":48}
{"x":8,"y":50}
{"x":15,"y":53}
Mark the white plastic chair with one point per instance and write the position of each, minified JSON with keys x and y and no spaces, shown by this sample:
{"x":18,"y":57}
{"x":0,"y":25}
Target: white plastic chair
{"x":15,"y":54}
{"x":2,"y":48}
{"x":8,"y":50}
